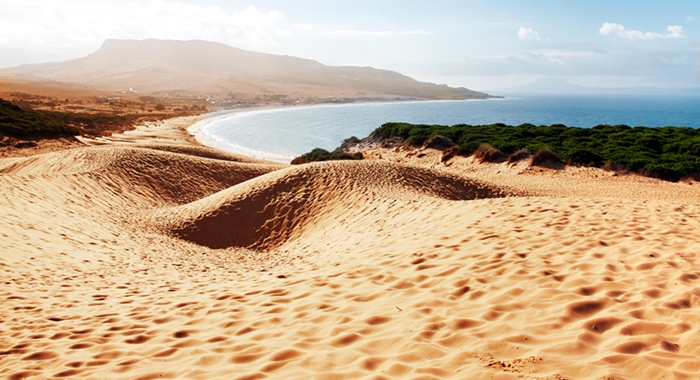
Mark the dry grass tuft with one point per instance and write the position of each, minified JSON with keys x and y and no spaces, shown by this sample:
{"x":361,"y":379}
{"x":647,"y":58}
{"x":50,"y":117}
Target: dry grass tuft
{"x":690,"y":178}
{"x":548,"y":159}
{"x":614,"y":167}
{"x":449,"y":153}
{"x":487,"y":153}
{"x":518,"y":156}
{"x":438,"y":142}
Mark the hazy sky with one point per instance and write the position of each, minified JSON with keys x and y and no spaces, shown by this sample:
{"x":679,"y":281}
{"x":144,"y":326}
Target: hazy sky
{"x":477,"y":44}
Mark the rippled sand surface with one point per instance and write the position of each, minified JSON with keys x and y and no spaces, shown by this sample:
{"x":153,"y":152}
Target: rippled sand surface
{"x":139,"y":262}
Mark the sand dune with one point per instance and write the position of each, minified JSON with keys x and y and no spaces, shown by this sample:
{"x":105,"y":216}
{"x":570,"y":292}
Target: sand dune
{"x":270,"y":210}
{"x":138,"y":263}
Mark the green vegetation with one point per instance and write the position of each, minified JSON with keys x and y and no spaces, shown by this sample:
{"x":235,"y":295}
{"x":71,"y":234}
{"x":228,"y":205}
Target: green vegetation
{"x":95,"y":123}
{"x":319,"y":154}
{"x":670,"y":152}
{"x":18,"y":122}
{"x":21,"y":123}
{"x":352,"y":140}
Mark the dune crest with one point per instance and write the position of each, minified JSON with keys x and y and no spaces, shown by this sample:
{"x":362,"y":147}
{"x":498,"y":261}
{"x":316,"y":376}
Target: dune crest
{"x":264,"y":213}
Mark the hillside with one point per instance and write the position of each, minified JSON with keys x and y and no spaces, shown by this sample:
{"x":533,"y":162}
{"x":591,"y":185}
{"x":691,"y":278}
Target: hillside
{"x":201,"y":67}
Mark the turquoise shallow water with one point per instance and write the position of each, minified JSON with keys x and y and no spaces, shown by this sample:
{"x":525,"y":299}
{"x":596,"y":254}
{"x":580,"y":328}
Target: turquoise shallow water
{"x":281,"y":134}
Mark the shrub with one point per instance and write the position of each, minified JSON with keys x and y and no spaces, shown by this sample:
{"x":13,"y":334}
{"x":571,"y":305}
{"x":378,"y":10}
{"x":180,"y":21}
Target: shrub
{"x":438,"y":142}
{"x":519,"y":155}
{"x":585,"y":157}
{"x":22,"y":123}
{"x":613,"y":167}
{"x":319,"y":154}
{"x":351,"y":140}
{"x":18,"y":122}
{"x":667,"y":152}
{"x":468,"y":148}
{"x":349,"y":143}
{"x":448,"y":153}
{"x":487,"y":153}
{"x":546,"y":158}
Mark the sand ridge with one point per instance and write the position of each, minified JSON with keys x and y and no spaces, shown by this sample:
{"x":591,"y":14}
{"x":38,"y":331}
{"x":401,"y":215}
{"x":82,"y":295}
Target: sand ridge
{"x":569,"y":181}
{"x":267,"y":211}
{"x":129,"y":261}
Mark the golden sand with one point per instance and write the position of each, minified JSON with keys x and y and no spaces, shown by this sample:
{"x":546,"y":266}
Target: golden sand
{"x":143,"y":259}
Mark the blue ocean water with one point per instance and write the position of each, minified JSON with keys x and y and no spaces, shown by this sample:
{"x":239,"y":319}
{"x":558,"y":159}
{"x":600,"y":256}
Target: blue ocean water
{"x":282,"y":134}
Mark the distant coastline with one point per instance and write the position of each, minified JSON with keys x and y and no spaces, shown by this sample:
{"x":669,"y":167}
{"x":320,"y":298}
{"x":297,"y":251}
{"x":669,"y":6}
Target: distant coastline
{"x":281,"y":133}
{"x":198,"y":130}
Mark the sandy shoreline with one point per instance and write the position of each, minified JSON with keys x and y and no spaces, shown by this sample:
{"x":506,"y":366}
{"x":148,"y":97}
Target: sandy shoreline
{"x":196,"y":128}
{"x":196,"y":131}
{"x":147,"y":256}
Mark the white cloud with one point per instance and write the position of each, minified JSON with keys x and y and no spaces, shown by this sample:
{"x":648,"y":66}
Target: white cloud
{"x":528,"y":34}
{"x":376,"y":33}
{"x":660,"y":64}
{"x":676,"y":32}
{"x":691,"y":18}
{"x":611,"y":28}
{"x":79,"y":27}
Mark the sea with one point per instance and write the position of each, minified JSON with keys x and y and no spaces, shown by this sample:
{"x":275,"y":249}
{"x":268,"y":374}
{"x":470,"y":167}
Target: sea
{"x":280,"y":134}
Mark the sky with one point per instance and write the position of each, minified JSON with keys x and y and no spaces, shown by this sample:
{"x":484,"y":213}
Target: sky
{"x":477,"y":44}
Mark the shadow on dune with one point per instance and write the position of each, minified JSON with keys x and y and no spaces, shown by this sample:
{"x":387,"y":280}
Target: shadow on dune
{"x":268,"y":211}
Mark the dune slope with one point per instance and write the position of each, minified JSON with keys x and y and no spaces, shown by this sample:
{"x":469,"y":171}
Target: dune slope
{"x":137,"y":263}
{"x":265,"y":213}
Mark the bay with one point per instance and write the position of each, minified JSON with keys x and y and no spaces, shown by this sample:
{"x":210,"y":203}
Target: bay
{"x":283,"y":133}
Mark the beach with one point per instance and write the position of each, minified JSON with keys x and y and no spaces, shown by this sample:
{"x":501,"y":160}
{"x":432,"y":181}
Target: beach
{"x":147,"y":255}
{"x":197,"y":131}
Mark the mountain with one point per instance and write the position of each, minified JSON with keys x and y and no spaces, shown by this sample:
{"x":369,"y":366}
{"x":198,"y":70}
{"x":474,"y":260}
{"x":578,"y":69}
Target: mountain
{"x":555,"y":86}
{"x":201,"y":67}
